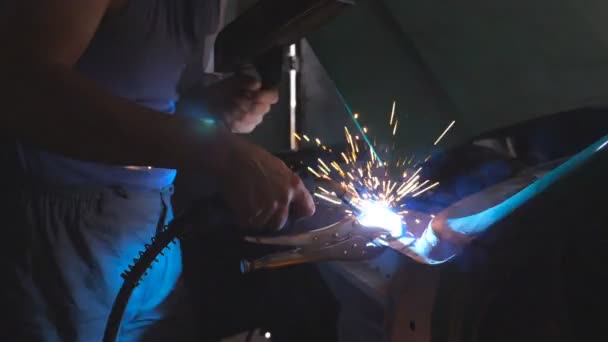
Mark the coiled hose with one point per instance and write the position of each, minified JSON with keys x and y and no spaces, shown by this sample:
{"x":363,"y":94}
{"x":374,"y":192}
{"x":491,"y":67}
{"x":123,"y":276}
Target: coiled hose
{"x":209,"y":214}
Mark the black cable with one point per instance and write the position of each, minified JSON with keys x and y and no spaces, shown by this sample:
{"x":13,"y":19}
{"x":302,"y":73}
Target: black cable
{"x":136,"y":272}
{"x":209,"y":213}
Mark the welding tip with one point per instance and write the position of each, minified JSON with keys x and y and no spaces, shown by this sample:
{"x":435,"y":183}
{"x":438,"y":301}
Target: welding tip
{"x":340,"y":192}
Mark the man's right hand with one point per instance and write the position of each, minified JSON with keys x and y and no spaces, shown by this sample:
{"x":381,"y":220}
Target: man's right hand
{"x":261,"y":189}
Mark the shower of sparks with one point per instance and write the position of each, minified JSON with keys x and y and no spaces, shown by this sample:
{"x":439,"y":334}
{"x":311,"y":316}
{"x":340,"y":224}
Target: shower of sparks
{"x":365,"y":178}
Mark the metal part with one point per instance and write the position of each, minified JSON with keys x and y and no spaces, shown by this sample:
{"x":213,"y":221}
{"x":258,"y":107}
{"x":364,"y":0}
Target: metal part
{"x":345,"y":240}
{"x":260,"y":35}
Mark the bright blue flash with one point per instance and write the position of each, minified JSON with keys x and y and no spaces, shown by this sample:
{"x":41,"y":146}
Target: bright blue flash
{"x":377,"y":214}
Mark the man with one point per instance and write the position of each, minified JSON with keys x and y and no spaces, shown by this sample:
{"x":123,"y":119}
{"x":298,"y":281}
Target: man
{"x":86,"y":87}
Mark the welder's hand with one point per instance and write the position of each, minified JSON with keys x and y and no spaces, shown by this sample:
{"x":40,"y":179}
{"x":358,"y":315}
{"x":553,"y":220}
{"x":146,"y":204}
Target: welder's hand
{"x":262,"y":190}
{"x":240,"y":102}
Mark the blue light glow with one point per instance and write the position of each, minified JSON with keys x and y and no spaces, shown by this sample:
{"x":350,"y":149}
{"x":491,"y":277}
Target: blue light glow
{"x":602,"y":146}
{"x":208,"y":121}
{"x":377,"y":214}
{"x":352,"y":115}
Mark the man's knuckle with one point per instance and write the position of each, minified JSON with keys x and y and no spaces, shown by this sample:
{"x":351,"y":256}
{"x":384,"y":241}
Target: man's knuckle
{"x":296,"y":182}
{"x":275,"y":204}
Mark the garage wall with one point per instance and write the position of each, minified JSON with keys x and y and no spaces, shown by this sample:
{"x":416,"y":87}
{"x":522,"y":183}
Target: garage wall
{"x":486,"y":64}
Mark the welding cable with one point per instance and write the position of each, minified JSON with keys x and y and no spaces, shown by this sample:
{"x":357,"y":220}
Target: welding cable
{"x":208,"y":213}
{"x":133,"y":276}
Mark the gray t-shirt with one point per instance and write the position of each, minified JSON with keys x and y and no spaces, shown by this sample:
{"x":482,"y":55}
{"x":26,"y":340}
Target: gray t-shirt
{"x":139,"y":54}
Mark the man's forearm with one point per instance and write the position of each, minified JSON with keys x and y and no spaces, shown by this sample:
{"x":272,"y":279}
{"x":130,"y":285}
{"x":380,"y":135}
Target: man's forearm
{"x":61,"y":111}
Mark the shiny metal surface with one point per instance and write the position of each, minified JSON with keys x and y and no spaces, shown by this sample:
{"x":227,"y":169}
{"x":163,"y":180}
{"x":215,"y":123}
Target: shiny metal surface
{"x":344,"y":240}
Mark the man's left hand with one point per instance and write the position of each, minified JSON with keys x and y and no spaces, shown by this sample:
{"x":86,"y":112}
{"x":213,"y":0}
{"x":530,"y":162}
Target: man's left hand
{"x":240,"y":102}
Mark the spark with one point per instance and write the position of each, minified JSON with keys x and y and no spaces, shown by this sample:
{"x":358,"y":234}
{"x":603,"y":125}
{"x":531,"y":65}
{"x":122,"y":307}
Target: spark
{"x":395,"y":128}
{"x":313,"y":172}
{"x":390,"y":123}
{"x":412,"y":181}
{"x":331,"y":200}
{"x":297,"y":136}
{"x":345,"y":157}
{"x":323,"y":170}
{"x":365,"y":129}
{"x":318,"y":141}
{"x":337,"y":167}
{"x":356,"y":116}
{"x":425,"y":189}
{"x":408,"y":188}
{"x":324,"y":165}
{"x":416,"y":173}
{"x":444,"y":133}
{"x":322,"y":189}
{"x":306,"y":138}
{"x":420,"y":186}
{"x":402,"y":193}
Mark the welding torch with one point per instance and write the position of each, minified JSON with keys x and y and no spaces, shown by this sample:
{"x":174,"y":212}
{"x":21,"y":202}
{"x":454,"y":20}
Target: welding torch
{"x":346,"y":240}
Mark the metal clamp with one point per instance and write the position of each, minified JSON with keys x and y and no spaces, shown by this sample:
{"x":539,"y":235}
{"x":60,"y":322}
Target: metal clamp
{"x":345,"y":240}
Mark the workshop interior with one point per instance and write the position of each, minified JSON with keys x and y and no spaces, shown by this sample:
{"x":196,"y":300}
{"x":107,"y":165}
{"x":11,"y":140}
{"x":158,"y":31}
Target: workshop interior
{"x":457,"y":152}
{"x":494,"y":74}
